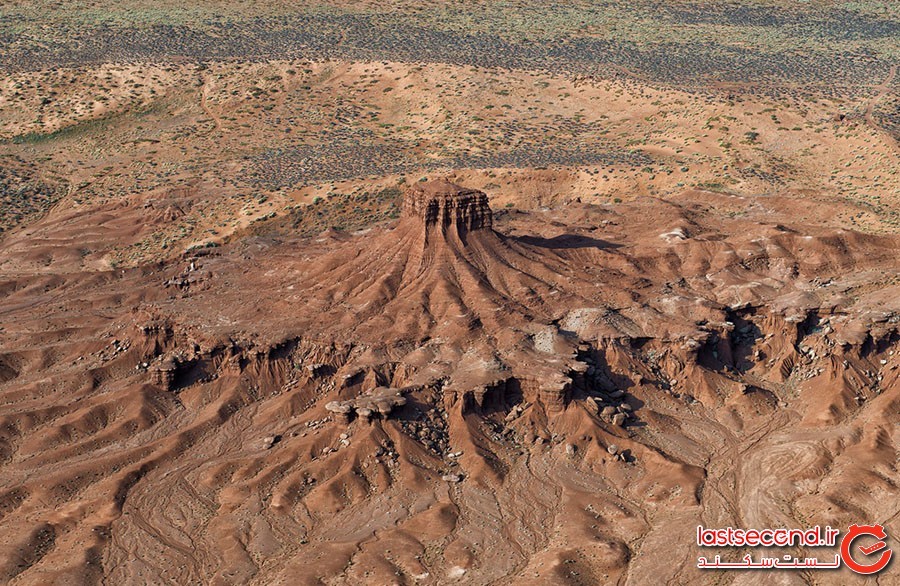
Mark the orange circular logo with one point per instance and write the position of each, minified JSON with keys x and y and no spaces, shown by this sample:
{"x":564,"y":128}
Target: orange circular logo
{"x":876,"y":531}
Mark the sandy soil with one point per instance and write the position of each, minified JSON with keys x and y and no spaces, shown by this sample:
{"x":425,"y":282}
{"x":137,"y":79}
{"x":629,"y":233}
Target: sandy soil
{"x":249,"y":141}
{"x":582,"y":387}
{"x":443,"y":293}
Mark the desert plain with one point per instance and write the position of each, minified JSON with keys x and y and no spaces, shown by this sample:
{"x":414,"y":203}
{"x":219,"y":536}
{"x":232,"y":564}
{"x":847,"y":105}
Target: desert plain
{"x":444,"y":293}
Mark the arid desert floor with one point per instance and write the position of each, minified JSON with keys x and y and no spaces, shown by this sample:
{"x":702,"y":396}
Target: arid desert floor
{"x":444,"y":293}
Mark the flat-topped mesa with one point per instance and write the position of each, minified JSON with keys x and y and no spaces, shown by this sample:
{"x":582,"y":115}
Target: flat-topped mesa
{"x":445,"y":206}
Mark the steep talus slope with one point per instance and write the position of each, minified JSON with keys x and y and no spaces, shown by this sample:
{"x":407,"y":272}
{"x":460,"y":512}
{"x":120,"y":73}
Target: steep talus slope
{"x":551,"y":397}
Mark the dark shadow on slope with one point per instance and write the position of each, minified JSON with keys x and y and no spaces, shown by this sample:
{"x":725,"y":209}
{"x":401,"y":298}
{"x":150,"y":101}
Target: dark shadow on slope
{"x":567,"y":241}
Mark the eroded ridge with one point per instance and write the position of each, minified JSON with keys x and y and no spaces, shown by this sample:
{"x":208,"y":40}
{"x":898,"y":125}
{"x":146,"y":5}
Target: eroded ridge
{"x":455,"y":396}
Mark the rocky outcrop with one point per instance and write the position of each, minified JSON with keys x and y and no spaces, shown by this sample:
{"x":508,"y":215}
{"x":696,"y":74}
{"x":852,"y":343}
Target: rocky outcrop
{"x":377,"y":403}
{"x":447,"y":208}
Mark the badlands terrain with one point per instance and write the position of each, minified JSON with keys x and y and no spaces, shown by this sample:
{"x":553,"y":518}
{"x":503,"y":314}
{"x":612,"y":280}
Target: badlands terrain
{"x":435,"y":293}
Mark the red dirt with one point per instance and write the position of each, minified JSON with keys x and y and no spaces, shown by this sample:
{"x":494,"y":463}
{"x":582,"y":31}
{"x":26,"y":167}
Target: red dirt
{"x":583,"y":386}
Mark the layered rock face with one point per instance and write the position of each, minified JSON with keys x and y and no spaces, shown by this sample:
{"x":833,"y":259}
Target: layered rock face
{"x":447,"y":208}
